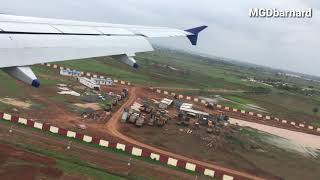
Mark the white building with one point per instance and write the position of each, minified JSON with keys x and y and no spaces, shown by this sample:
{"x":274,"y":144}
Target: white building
{"x":186,"y":107}
{"x":164,"y":103}
{"x":89,"y":83}
{"x":68,"y":72}
{"x":102,"y":81}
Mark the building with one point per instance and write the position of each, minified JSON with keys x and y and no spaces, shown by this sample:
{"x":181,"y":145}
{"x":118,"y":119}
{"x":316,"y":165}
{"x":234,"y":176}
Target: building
{"x":164,"y":103}
{"x":187,"y":108}
{"x":89,"y":83}
{"x":68,"y":72}
{"x":102,"y":81}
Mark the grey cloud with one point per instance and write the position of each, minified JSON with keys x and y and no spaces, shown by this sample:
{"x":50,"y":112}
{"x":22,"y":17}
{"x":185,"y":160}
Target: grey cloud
{"x":282,"y":43}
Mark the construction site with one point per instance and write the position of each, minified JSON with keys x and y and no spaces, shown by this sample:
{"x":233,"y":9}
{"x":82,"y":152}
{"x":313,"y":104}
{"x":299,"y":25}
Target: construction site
{"x":190,"y":130}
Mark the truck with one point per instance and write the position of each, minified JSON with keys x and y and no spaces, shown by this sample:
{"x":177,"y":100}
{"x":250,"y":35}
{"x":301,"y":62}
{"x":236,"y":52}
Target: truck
{"x":133,"y":117}
{"x":124,"y":116}
{"x":140,"y":121}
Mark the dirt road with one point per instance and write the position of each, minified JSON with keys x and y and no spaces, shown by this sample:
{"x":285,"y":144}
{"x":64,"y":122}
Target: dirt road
{"x":113,"y":126}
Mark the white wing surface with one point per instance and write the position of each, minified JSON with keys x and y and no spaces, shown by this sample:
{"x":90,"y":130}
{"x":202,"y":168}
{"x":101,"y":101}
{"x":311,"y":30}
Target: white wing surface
{"x":29,"y":40}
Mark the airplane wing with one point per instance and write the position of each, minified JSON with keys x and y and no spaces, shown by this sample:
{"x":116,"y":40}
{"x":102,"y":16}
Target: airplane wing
{"x":26,"y":41}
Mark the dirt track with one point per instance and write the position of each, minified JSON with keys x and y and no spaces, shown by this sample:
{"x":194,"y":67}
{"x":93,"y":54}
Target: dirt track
{"x":113,"y":126}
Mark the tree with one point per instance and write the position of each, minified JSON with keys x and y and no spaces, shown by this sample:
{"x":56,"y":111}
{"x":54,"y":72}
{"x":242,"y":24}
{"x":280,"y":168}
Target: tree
{"x":315,"y":110}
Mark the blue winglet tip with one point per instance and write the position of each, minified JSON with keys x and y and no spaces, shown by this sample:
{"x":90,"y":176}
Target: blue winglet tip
{"x":194,"y":31}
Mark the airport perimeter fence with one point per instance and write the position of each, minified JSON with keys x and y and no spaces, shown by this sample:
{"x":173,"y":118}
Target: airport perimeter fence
{"x":128,"y":148}
{"x":246,"y":115}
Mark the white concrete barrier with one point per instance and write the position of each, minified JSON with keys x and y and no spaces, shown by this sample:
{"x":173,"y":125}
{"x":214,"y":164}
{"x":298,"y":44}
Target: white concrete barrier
{"x":209,"y":172}
{"x":104,"y":143}
{"x":54,"y":129}
{"x":268,"y":117}
{"x":235,"y":110}
{"x":7,"y":117}
{"x":121,"y":146}
{"x":284,"y":121}
{"x":243,"y":112}
{"x":318,"y":129}
{"x":188,"y":98}
{"x":158,"y":91}
{"x":251,"y":113}
{"x":293,"y":123}
{"x":180,"y":96}
{"x":22,"y":121}
{"x":195,"y":99}
{"x":165,"y":92}
{"x":203,"y":102}
{"x":87,"y":138}
{"x":190,"y":166}
{"x":219,"y":106}
{"x":38,"y":125}
{"x":226,"y":177}
{"x":227,"y":108}
{"x":301,"y":125}
{"x":310,"y":127}
{"x":259,"y":115}
{"x":71,"y":134}
{"x":136,"y":151}
{"x":172,"y":162}
{"x":155,"y":156}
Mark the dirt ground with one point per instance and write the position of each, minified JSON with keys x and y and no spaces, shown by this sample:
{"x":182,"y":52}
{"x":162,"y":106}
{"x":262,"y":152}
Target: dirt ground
{"x":16,"y":162}
{"x":238,"y":150}
{"x":14,"y":102}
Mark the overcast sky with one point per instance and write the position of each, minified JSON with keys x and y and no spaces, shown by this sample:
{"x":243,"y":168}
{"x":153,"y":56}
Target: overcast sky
{"x":291,"y":44}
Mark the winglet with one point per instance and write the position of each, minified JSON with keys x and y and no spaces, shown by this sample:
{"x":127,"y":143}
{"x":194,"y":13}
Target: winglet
{"x":195,"y":31}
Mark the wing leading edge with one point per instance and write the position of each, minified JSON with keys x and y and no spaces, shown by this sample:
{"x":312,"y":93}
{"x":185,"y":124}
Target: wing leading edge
{"x":26,"y":41}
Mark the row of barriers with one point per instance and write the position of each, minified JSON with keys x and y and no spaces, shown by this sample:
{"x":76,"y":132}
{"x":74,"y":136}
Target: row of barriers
{"x":135,"y":151}
{"x":242,"y":113}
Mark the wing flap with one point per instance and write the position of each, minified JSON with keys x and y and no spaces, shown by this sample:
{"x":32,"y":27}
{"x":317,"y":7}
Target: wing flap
{"x":27,"y":27}
{"x":77,"y":29}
